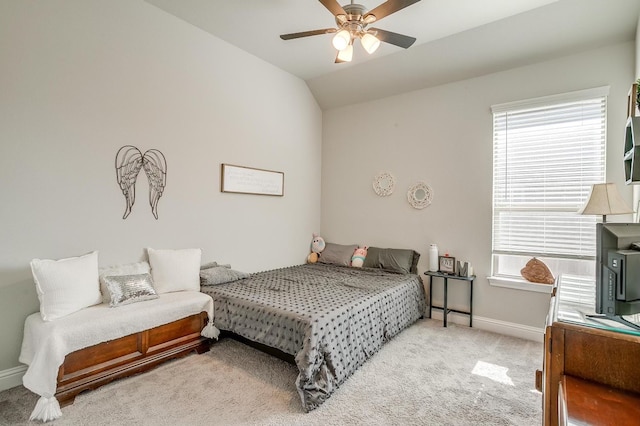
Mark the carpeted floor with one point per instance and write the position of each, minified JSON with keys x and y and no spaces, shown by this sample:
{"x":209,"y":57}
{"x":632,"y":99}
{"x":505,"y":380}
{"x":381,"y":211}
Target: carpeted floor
{"x":428,"y":375}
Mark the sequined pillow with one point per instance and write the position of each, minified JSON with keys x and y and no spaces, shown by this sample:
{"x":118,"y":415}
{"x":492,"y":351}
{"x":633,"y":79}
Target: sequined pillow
{"x":120,"y":269}
{"x":126,"y":289}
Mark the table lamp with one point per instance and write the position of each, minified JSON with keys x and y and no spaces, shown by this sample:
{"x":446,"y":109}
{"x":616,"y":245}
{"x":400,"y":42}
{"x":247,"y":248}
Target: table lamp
{"x":605,"y":199}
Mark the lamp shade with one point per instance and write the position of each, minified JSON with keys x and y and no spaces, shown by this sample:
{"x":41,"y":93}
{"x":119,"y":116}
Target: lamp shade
{"x":370,"y":43}
{"x":346,"y":54}
{"x":605,"y":199}
{"x":341,"y":40}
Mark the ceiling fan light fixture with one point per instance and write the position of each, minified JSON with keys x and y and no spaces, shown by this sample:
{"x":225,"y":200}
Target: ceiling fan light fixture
{"x":368,"y":19}
{"x":346,"y":54}
{"x":341,"y":40}
{"x":370,"y":43}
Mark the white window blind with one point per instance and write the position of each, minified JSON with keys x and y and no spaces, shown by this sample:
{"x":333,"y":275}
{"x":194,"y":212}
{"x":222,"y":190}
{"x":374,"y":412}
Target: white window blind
{"x":547,"y":153}
{"x":580,"y":290}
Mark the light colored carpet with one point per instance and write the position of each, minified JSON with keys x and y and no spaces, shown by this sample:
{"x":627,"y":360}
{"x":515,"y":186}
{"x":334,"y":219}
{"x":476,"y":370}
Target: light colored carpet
{"x":428,"y":375}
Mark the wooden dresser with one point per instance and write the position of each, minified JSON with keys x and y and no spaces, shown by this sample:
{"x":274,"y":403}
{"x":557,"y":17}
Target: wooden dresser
{"x":593,"y":365}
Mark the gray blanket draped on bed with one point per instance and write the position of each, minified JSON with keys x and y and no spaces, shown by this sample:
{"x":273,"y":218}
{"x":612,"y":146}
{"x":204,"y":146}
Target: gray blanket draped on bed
{"x":331,"y":318}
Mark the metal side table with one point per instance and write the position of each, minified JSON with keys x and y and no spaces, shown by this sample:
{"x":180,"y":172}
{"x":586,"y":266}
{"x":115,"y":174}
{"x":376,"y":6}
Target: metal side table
{"x":445,"y":309}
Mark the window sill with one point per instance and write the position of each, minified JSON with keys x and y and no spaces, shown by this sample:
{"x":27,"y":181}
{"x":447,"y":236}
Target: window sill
{"x":519,"y":284}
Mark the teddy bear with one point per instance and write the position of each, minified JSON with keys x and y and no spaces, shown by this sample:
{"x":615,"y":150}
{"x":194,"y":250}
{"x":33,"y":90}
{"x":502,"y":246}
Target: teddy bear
{"x":357,"y":260}
{"x":317,"y":245}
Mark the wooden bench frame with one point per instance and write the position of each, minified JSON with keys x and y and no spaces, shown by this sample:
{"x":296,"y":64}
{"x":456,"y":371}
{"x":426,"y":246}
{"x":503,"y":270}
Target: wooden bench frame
{"x":97,"y":365}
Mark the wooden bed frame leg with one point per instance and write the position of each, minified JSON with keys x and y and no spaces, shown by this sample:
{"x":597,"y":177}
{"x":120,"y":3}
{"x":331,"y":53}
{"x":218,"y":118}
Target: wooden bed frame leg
{"x":205,"y":346}
{"x":66,"y":400}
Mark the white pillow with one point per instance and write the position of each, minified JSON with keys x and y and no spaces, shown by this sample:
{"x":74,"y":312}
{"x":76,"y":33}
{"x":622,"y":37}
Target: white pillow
{"x":175,"y":270}
{"x":67,"y":285}
{"x":119,"y":270}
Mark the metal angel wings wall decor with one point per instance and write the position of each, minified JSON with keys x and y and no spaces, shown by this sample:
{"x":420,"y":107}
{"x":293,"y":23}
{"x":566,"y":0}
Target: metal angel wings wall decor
{"x":129,"y":161}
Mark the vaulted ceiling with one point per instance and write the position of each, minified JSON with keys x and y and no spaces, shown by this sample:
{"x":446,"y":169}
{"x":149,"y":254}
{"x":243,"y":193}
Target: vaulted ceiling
{"x":456,"y":39}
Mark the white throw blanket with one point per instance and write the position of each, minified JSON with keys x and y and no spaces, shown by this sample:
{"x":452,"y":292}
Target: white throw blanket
{"x":46,"y":344}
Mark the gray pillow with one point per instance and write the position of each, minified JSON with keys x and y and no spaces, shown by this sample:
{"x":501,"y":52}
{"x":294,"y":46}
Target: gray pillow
{"x":126,"y":289}
{"x":404,"y":261}
{"x":337,"y":254}
{"x":213,"y":265}
{"x":220,"y":275}
{"x":414,"y":262}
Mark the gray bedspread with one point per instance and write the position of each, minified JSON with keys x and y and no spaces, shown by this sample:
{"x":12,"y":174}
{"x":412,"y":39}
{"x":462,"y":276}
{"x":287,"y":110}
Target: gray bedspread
{"x":331,"y":318}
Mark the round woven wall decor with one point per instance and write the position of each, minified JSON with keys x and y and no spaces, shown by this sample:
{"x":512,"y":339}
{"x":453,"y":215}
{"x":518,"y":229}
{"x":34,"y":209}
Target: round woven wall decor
{"x":384,"y":184}
{"x":420,"y":195}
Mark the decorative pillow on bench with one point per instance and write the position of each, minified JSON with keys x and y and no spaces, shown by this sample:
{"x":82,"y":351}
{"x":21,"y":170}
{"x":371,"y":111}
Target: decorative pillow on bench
{"x":67,"y":285}
{"x":126,"y":289}
{"x":119,"y":270}
{"x":175,"y":270}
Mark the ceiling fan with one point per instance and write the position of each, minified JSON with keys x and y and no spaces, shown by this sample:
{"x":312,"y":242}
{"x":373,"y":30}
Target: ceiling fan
{"x":353,"y":22}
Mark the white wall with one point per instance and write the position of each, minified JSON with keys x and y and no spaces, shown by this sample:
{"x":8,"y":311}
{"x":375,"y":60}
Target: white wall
{"x":78,"y":80}
{"x":443,"y":136}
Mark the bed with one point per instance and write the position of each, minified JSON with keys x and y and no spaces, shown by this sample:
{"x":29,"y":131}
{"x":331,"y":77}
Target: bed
{"x":330,"y":318}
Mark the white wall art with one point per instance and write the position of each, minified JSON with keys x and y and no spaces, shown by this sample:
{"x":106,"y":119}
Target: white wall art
{"x":420,"y":195}
{"x":384,"y":184}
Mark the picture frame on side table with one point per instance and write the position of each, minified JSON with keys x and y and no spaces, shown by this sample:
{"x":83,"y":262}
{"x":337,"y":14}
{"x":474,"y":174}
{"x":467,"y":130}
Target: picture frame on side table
{"x":447,"y":264}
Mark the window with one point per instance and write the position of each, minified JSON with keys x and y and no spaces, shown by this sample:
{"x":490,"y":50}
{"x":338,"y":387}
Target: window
{"x":547,"y":152}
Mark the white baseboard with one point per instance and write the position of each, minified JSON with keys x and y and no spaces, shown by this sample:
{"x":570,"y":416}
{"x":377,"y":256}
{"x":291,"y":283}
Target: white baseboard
{"x":12,"y":377}
{"x":496,"y":326}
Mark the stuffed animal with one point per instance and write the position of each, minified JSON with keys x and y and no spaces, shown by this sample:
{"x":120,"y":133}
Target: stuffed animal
{"x":357,"y":260}
{"x":317,"y":245}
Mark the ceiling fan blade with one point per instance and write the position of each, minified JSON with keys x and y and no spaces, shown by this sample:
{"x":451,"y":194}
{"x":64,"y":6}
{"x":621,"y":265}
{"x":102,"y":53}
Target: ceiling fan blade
{"x":334,"y":7}
{"x":307,"y":33}
{"x":387,"y":8}
{"x":393,"y":38}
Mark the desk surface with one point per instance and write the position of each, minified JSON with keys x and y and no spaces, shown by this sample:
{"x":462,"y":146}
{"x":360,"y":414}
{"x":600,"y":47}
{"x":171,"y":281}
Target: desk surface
{"x":575,"y":301}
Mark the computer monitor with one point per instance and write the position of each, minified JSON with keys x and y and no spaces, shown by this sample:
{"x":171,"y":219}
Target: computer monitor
{"x":618,"y":269}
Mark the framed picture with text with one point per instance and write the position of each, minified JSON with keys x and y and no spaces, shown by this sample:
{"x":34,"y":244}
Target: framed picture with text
{"x":447,"y":264}
{"x":249,"y":180}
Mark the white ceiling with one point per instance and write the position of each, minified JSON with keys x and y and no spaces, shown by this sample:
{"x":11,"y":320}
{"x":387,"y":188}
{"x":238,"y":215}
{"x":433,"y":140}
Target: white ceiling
{"x":456,"y":39}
